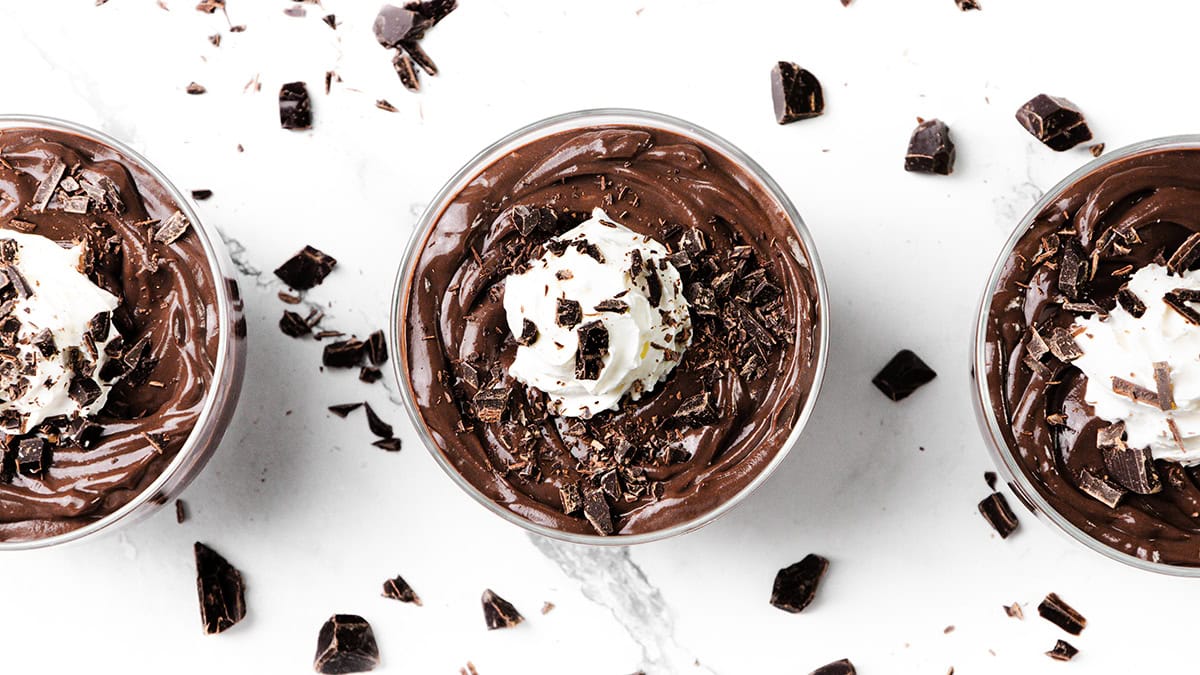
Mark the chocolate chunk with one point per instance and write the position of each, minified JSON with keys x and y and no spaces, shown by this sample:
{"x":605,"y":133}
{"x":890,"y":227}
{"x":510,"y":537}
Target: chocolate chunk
{"x":195,"y":89}
{"x":903,"y":375}
{"x":1054,"y":121}
{"x":1072,"y":270}
{"x":222,"y":593}
{"x":1059,"y":613}
{"x":930,"y":149}
{"x":596,"y":510}
{"x":1132,"y":468}
{"x":498,"y":612}
{"x":1097,"y":149}
{"x":77,"y":204}
{"x":434,"y":10}
{"x":83,"y":390}
{"x":1136,"y":392}
{"x":330,"y":20}
{"x":796,"y":585}
{"x":1178,"y":299}
{"x":370,"y":375}
{"x":610,"y":484}
{"x":306,"y":269}
{"x":46,"y":186}
{"x":568,"y":313}
{"x":702,"y":299}
{"x":1063,"y":651}
{"x":529,"y":219}
{"x":697,"y":410}
{"x":388,"y":444}
{"x":295,"y":108}
{"x":393,"y":25}
{"x":654,"y":288}
{"x":1062,"y":345}
{"x":1131,"y":302}
{"x":32,"y":456}
{"x":529,"y":333}
{"x":343,"y":409}
{"x":967,"y":5}
{"x":172,"y":228}
{"x":201,"y":195}
{"x":398,"y":589}
{"x":1037,"y":347}
{"x":490,"y":404}
{"x":406,"y":72}
{"x":593,"y":346}
{"x":989,"y":477}
{"x":346,"y":644}
{"x":843,"y":667}
{"x":996,"y":511}
{"x":796,"y":93}
{"x":613,"y":305}
{"x":343,"y":354}
{"x":377,"y":348}
{"x":294,"y":325}
{"x":419,"y":57}
{"x":571,"y":496}
{"x":44,"y":341}
{"x":1111,"y":436}
{"x":1187,"y":253}
{"x":180,"y":511}
{"x":1101,"y":490}
{"x":377,"y":426}
{"x":1162,"y":385}
{"x":693,"y":242}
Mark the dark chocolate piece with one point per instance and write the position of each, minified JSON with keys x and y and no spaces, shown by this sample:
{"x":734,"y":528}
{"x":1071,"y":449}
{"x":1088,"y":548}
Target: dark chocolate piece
{"x":568,"y":313}
{"x":498,"y":612}
{"x":1054,"y":121}
{"x":398,"y":589}
{"x":1131,"y":302}
{"x":999,"y":515}
{"x":989,"y":477}
{"x":294,"y":325}
{"x":394,"y":24}
{"x":843,"y":667}
{"x":295,"y":11}
{"x":389,"y":444}
{"x":613,"y":305}
{"x":346,"y":644}
{"x":1178,"y":300}
{"x":1014,"y":611}
{"x":306,"y":269}
{"x":343,"y":354}
{"x":295,"y":108}
{"x":490,"y":404}
{"x":1136,"y":392}
{"x":1059,"y":613}
{"x":596,"y":510}
{"x":796,"y":93}
{"x":529,"y":333}
{"x":180,"y":511}
{"x":1063,"y":651}
{"x":343,"y":409}
{"x":370,"y":375}
{"x":407,"y":73}
{"x":796,"y":585}
{"x":384,"y":104}
{"x":195,"y":89}
{"x":32,"y":456}
{"x":222,"y":592}
{"x":330,"y":20}
{"x":434,"y":10}
{"x":593,"y":345}
{"x":377,"y":426}
{"x":967,"y":5}
{"x":1097,"y":149}
{"x":83,"y":390}
{"x":1162,"y":385}
{"x":46,"y":186}
{"x":529,"y":219}
{"x":201,"y":195}
{"x":1072,"y":270}
{"x":930,"y":149}
{"x":44,"y":341}
{"x":697,"y":410}
{"x":571,"y":497}
{"x":377,"y":348}
{"x":1062,"y":345}
{"x":1101,"y":490}
{"x":1187,"y":253}
{"x":903,"y":375}
{"x":1132,"y":468}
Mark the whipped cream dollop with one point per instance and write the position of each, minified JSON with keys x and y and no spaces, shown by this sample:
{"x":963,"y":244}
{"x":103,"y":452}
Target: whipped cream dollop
{"x":599,"y":315}
{"x":1127,"y":347}
{"x":54,"y":328}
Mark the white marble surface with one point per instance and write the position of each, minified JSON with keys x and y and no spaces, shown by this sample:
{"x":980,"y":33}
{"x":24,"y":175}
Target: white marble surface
{"x":317,"y":518}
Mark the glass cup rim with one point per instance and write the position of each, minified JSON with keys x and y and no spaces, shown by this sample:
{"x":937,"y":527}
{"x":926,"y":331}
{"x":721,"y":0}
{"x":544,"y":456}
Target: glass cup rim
{"x":224,"y":310}
{"x":529,"y":133}
{"x":1002,"y":455}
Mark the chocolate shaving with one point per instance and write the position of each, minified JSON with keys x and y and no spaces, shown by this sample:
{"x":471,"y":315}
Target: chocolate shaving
{"x":1131,"y":302}
{"x":172,"y":228}
{"x":1162,"y":383}
{"x":398,"y":589}
{"x":1014,"y":611}
{"x":306,"y":269}
{"x":1099,"y":489}
{"x":1178,"y":299}
{"x":406,"y":72}
{"x":593,"y":346}
{"x":1000,"y":516}
{"x":1187,"y":253}
{"x":77,"y":204}
{"x":1138,"y":393}
{"x":295,"y":107}
{"x":377,"y":426}
{"x":796,"y":585}
{"x":568,"y":313}
{"x":1059,"y":613}
{"x":343,"y":409}
{"x":180,"y":511}
{"x":221,"y":590}
{"x":1063,"y":651}
{"x":654,"y":287}
{"x":571,"y":496}
{"x":499,"y":613}
{"x":903,"y":374}
{"x":46,"y":187}
{"x":596,"y":510}
{"x":388,"y":444}
{"x":796,"y":93}
{"x":1072,"y":270}
{"x":346,"y":644}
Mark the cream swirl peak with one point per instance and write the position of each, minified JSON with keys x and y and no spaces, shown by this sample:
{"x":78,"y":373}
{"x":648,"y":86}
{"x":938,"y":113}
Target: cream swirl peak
{"x":601,"y":313}
{"x":53,"y":335}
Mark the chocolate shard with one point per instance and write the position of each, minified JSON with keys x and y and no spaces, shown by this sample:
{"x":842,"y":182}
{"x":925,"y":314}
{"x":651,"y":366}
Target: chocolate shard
{"x":83,"y":390}
{"x":1062,"y":345}
{"x":490,"y":404}
{"x":375,"y":424}
{"x":499,"y":613}
{"x":1111,"y":436}
{"x":529,"y":333}
{"x":596,"y":510}
{"x":615,"y":305}
{"x":32,"y":456}
{"x":294,"y":325}
{"x":370,"y":375}
{"x":394,"y":25}
{"x":1037,"y":347}
{"x":377,"y":348}
{"x":903,"y":375}
{"x":434,"y":10}
{"x":343,"y":354}
{"x":930,"y":149}
{"x":1163,"y":386}
{"x":842,"y":667}
{"x":796,"y":93}
{"x":346,"y":644}
{"x":44,"y":341}
{"x":568,"y":313}
{"x":1131,"y":302}
{"x":306,"y":269}
{"x":295,"y":107}
{"x":1054,"y":121}
{"x":389,"y":444}
{"x":222,"y":592}
{"x":330,"y":20}
{"x":201,"y":195}
{"x":1136,"y":392}
{"x":571,"y":497}
{"x":796,"y":585}
{"x":1132,"y":468}
{"x":1014,"y":611}
{"x":530,"y":219}
{"x":1063,"y":651}
{"x":398,"y":589}
{"x":1187,"y":253}
{"x":417,"y":54}
{"x":406,"y":72}
{"x":990,"y":478}
{"x":343,"y":409}
{"x":967,"y":5}
{"x":593,"y":346}
{"x":999,"y":515}
{"x":1072,"y":270}
{"x":1099,"y":489}
{"x":697,"y":410}
{"x":180,"y":511}
{"x":1178,"y":300}
{"x":1059,"y":613}
{"x":172,"y":228}
{"x":47,"y":185}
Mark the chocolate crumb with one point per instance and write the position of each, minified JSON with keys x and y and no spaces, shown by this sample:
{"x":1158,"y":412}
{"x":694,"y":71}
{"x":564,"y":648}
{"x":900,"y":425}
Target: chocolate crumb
{"x":377,"y":426}
{"x":796,"y":585}
{"x":295,"y":107}
{"x":796,"y":93}
{"x":903,"y":375}
{"x":547,"y":607}
{"x":930,"y":150}
{"x":346,"y":644}
{"x":842,"y":667}
{"x":998,"y":514}
{"x":180,"y":511}
{"x":1063,"y":651}
{"x":344,"y":409}
{"x":383,"y":104}
{"x":306,"y":269}
{"x":967,"y":5}
{"x":1097,"y":149}
{"x":398,"y":589}
{"x":221,"y":590}
{"x":1059,"y":613}
{"x":498,"y":612}
{"x":195,"y":89}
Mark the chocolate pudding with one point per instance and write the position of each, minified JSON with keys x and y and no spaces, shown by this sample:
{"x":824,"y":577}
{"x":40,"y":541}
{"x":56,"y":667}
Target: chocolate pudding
{"x":611,"y":330}
{"x":93,"y":406}
{"x":1092,"y":349}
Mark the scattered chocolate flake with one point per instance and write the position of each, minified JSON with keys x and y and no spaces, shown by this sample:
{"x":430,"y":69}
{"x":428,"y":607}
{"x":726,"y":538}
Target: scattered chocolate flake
{"x":654,"y":288}
{"x":370,"y":375}
{"x":996,"y":511}
{"x":989,"y":477}
{"x":240,"y":28}
{"x":843,"y":667}
{"x":568,"y":313}
{"x":343,"y":354}
{"x":1132,"y":468}
{"x":1062,"y":345}
{"x":1059,"y":613}
{"x":44,"y":341}
{"x":377,"y":426}
{"x":903,"y":375}
{"x":295,"y":108}
{"x":306,"y":269}
{"x":330,"y":20}
{"x":222,"y":592}
{"x":343,"y":409}
{"x":1101,"y":490}
{"x":346,"y":644}
{"x":289,"y":298}
{"x":1178,"y":300}
{"x":796,"y":585}
{"x":529,"y":333}
{"x":1072,"y":270}
{"x":613,"y":305}
{"x":195,"y":89}
{"x":33,"y":456}
{"x":1014,"y":611}
{"x":172,"y":228}
{"x":1097,"y":149}
{"x":201,"y":195}
{"x":528,"y":219}
{"x":1063,"y":651}
{"x":967,"y":5}
{"x":930,"y":150}
{"x":547,"y":607}
{"x":76,"y":204}
{"x":1054,"y":121}
{"x":1131,"y":302}
{"x":1187,"y":253}
{"x":383,"y":104}
{"x":490,"y":404}
{"x":1162,"y":384}
{"x":796,"y":93}
{"x":498,"y":612}
{"x":1136,"y":392}
{"x":389,"y":444}
{"x":294,"y":325}
{"x":215,"y":39}
{"x":46,"y":186}
{"x":377,"y":348}
{"x":593,"y":345}
{"x":407,"y":73}
{"x":210,"y":6}
{"x":571,"y":497}
{"x":180,"y":511}
{"x":1084,"y":308}
{"x":596,"y":510}
{"x":398,"y":589}
{"x":1111,"y":436}
{"x":697,"y":410}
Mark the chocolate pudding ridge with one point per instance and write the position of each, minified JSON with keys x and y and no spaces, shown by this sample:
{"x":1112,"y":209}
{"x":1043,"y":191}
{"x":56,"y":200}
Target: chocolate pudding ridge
{"x":1152,"y":188}
{"x":167,"y":292}
{"x":640,"y":168}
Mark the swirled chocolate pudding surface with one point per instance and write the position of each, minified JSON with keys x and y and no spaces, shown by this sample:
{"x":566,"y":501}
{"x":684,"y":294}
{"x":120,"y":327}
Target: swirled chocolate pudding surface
{"x":95,"y":413}
{"x":1093,"y":354}
{"x":661,"y":303}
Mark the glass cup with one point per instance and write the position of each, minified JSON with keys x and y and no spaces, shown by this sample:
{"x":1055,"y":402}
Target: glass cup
{"x":517,"y":139}
{"x":229,"y":368}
